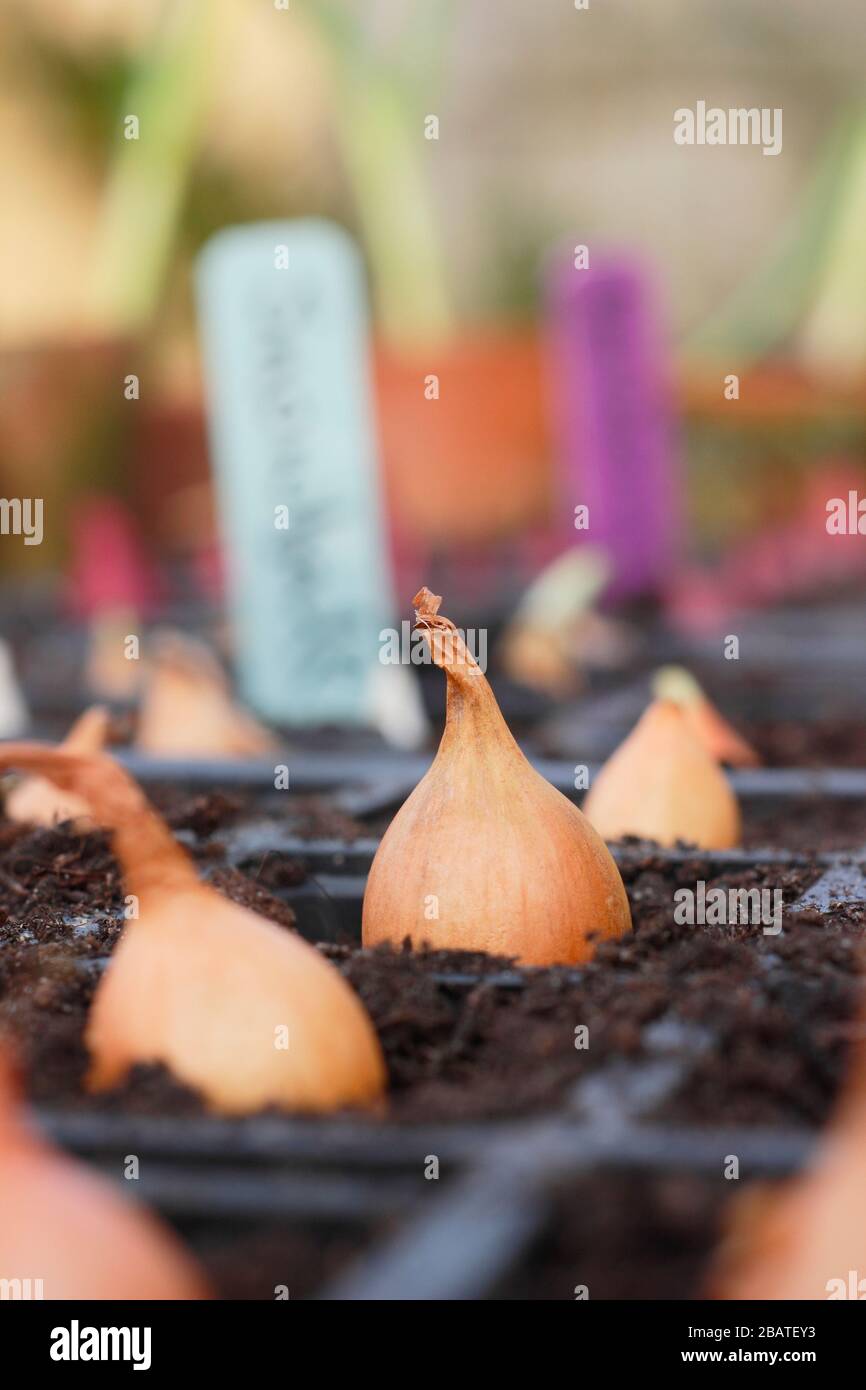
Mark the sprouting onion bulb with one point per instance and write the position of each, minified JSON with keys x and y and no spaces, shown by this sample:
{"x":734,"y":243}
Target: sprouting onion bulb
{"x":486,"y":855}
{"x":71,"y":1229}
{"x":661,"y":784}
{"x":720,"y":738}
{"x":236,"y":1007}
{"x":37,"y":801}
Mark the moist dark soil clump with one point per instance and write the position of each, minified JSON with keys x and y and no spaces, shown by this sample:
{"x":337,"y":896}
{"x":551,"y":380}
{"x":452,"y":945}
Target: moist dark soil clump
{"x":309,"y":817}
{"x":758,"y":1024}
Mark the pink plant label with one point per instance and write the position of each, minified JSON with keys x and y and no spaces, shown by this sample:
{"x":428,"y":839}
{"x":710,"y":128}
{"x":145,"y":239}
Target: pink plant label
{"x":108,"y":569}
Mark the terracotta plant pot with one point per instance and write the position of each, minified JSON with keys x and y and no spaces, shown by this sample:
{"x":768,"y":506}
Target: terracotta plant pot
{"x":474,"y":464}
{"x":61,"y":407}
{"x":66,"y":430}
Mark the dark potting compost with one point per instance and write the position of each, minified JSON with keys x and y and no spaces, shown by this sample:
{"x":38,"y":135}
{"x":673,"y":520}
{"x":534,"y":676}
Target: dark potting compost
{"x":758,"y":1018}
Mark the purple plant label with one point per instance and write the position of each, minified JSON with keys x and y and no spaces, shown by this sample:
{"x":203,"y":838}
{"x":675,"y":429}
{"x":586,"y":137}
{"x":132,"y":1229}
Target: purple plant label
{"x":613,"y":420}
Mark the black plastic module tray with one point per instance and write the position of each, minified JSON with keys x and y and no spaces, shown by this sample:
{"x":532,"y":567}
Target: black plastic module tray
{"x":465,"y":1245}
{"x":461,"y":1236}
{"x":413,"y":1239}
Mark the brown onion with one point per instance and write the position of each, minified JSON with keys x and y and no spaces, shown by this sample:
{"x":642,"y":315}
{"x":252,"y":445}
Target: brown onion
{"x":720,"y":738}
{"x":37,"y":800}
{"x":486,"y":855}
{"x":662,"y":785}
{"x":242,"y":1010}
{"x":187,"y":708}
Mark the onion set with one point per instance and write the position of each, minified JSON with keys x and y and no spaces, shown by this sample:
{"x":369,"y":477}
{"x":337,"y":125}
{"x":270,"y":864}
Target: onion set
{"x":242,"y":1010}
{"x":71,"y":1230}
{"x":661,"y":784}
{"x":187,"y":708}
{"x":38,"y":801}
{"x":486,"y":855}
{"x":720,"y":738}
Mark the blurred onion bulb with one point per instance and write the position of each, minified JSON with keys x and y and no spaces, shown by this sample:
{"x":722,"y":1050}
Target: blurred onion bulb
{"x":662,"y":785}
{"x":71,"y":1230}
{"x":807,"y":1238}
{"x":37,"y":800}
{"x":720,"y":738}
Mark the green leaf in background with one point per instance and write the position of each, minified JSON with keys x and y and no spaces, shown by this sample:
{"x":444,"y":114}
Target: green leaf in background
{"x":379,"y":122}
{"x":169,"y":93}
{"x":766,"y":309}
{"x":833,"y":340}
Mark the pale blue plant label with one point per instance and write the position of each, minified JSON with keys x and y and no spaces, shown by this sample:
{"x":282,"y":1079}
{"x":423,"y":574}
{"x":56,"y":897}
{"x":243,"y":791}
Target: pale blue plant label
{"x":283,"y":314}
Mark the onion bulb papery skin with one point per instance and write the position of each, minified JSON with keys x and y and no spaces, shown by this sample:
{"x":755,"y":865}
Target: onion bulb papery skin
{"x":37,"y":801}
{"x":246,"y":1012}
{"x":486,"y":855}
{"x":661,"y":784}
{"x":721,"y":740}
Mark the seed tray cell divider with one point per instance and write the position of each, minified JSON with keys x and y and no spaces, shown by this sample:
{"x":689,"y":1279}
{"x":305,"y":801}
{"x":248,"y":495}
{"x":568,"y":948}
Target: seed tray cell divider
{"x":338,"y":867}
{"x":329,"y":858}
{"x":465,"y":1244}
{"x":388,"y":1150}
{"x":192,"y":1193}
{"x":495,"y":1197}
{"x":387,"y":778}
{"x":329,"y":1145}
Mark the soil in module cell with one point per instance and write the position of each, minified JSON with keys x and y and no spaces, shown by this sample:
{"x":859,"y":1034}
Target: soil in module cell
{"x":798,"y":743}
{"x":275,"y":1261}
{"x":624,"y":1236}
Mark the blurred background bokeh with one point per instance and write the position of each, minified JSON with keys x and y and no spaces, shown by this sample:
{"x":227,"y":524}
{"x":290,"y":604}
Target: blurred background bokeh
{"x":555,"y":131}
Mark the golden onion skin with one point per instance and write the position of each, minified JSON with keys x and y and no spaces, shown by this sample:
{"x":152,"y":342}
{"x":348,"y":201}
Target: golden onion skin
{"x":486,"y":855}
